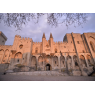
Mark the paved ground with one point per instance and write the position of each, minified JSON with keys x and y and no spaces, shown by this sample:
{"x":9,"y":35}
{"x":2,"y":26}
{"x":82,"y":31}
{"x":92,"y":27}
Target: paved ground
{"x":44,"y":78}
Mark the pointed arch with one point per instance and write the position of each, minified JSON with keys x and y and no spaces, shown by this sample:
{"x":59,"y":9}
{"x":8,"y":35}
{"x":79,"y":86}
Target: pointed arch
{"x":18,"y":57}
{"x":69,"y":62}
{"x":89,"y":59}
{"x":92,"y":37}
{"x":6,"y":55}
{"x":75,"y":58}
{"x":55,"y":50}
{"x":1,"y":54}
{"x":40,"y":60}
{"x":33,"y":61}
{"x":83,"y":62}
{"x":36,"y":50}
{"x":48,"y":67}
{"x":62,"y":61}
{"x":55,"y":61}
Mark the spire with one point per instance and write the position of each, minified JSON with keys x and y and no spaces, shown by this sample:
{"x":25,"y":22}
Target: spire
{"x":43,"y":35}
{"x":51,"y":35}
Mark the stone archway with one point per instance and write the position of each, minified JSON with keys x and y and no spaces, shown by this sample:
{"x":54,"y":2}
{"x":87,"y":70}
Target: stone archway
{"x":62,"y":61}
{"x":76,"y":62}
{"x":18,"y":57}
{"x":55,"y":61}
{"x":40,"y":61}
{"x":6,"y":55}
{"x":90,"y":60}
{"x":33,"y":63}
{"x":83,"y":62}
{"x":48,"y":67}
{"x":69,"y":62}
{"x":1,"y":55}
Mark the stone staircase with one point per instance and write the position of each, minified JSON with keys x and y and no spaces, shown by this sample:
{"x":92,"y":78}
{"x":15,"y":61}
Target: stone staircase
{"x":39,"y":73}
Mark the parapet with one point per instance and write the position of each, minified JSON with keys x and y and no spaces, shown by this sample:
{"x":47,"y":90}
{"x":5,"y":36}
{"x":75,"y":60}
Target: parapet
{"x":18,"y":36}
{"x":37,"y":43}
{"x":5,"y":46}
{"x":59,"y":42}
{"x":26,"y":39}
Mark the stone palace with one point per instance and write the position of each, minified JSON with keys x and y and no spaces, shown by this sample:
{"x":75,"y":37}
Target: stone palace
{"x":75,"y":54}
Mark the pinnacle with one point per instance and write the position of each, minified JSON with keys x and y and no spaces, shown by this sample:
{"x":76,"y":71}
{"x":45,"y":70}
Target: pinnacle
{"x":43,"y":35}
{"x":51,"y":35}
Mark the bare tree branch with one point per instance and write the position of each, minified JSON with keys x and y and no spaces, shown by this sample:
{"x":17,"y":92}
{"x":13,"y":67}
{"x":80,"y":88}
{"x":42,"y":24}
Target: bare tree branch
{"x":53,"y":19}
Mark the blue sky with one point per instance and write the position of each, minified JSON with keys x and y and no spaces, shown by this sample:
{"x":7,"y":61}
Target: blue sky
{"x":35,"y":31}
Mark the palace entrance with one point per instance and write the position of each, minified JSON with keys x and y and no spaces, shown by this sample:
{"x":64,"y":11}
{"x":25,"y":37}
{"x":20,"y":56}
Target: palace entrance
{"x":48,"y":67}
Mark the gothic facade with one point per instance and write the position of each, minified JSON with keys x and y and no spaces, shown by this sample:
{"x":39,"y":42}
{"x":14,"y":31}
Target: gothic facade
{"x":75,"y":54}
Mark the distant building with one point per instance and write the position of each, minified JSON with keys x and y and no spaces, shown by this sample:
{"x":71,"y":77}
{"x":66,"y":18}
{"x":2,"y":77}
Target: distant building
{"x":3,"y":38}
{"x":76,"y":54}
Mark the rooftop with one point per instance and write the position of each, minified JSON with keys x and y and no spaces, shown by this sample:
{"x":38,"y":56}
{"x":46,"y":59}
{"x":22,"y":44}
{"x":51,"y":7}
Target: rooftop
{"x":1,"y":33}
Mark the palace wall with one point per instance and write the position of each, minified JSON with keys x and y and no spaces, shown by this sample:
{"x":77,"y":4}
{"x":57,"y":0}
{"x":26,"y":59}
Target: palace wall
{"x":76,"y":53}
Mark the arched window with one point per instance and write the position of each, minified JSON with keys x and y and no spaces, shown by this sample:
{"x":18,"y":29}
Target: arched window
{"x":36,"y":50}
{"x":18,"y":55}
{"x":21,"y":46}
{"x":55,"y":50}
{"x":92,"y":46}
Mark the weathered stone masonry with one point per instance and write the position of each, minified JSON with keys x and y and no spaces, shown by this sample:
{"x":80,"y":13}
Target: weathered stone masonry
{"x":76,"y":54}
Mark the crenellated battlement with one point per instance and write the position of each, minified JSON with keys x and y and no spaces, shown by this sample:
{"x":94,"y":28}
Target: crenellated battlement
{"x":28,"y":39}
{"x":17,"y":36}
{"x":60,"y":42}
{"x":37,"y":43}
{"x":22,"y":38}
